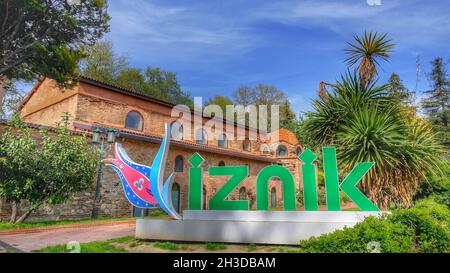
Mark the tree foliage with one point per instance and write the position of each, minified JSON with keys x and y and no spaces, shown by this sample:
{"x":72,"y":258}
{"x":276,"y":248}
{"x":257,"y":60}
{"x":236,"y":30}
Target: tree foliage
{"x":367,"y":52}
{"x":12,"y":100}
{"x":267,"y":95}
{"x":437,"y":103}
{"x":45,"y":37}
{"x":366,"y":125}
{"x":398,"y":91}
{"x":104,"y":65}
{"x":49,"y":171}
{"x":220,"y":101}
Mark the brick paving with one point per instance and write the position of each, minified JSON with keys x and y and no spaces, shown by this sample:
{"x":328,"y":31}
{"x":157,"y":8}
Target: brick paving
{"x":27,"y":242}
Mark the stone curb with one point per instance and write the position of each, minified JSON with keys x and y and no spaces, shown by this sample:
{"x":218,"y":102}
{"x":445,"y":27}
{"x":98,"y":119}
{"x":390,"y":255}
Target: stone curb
{"x":59,"y":227}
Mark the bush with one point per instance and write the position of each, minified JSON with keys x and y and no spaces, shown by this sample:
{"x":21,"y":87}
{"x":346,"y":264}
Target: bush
{"x":423,"y":228}
{"x":430,"y":224}
{"x":437,"y":186}
{"x":391,"y":237}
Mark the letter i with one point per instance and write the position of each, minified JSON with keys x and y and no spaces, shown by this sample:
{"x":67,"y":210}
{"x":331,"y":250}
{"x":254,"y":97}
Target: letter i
{"x":196,"y":182}
{"x":331,"y":179}
{"x":309,"y":180}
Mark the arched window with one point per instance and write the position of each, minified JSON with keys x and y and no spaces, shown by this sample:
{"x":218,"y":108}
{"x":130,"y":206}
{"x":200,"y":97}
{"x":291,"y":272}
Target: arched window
{"x":134,"y":121}
{"x":243,"y":194}
{"x":176,"y":197}
{"x":273,"y":198}
{"x":201,"y":137}
{"x":246,"y":145}
{"x":176,"y":130}
{"x":179,"y":164}
{"x":221,"y":164}
{"x":222,"y":142}
{"x":282,"y":151}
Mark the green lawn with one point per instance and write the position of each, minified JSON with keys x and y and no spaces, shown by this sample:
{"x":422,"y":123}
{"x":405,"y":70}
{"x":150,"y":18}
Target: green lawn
{"x":7,"y":226}
{"x":131,"y":245}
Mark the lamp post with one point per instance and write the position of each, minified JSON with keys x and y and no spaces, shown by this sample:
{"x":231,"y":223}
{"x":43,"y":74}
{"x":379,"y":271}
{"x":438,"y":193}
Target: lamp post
{"x":98,"y":138}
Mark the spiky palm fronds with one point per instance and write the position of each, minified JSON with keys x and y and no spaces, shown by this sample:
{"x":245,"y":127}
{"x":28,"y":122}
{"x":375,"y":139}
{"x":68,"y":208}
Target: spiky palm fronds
{"x":403,"y":154}
{"x":332,"y":107}
{"x":367,"y":126}
{"x":367,"y":51}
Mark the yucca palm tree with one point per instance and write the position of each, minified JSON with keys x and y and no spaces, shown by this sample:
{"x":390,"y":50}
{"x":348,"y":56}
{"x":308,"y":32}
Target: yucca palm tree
{"x":367,"y":52}
{"x":403,"y":153}
{"x":332,"y":107}
{"x":367,"y":126}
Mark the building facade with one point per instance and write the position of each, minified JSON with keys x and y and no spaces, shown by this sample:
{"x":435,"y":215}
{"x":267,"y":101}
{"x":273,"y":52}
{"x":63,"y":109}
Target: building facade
{"x":139,"y":121}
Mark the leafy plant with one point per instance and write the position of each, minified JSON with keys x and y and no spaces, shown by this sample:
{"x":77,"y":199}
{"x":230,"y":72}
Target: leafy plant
{"x":49,"y":171}
{"x":367,"y":126}
{"x":423,"y":228}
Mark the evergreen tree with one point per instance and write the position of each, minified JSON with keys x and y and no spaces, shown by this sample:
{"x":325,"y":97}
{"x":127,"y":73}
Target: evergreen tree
{"x":398,"y":91}
{"x":437,"y":103}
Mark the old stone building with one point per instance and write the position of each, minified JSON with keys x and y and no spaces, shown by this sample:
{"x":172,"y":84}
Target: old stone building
{"x":139,"y":121}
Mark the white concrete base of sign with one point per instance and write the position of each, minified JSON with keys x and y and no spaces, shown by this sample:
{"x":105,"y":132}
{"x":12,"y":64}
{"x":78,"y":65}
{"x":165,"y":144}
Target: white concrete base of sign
{"x":258,"y":227}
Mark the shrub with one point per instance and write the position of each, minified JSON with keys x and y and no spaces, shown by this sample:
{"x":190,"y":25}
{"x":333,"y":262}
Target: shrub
{"x":391,"y":237}
{"x":423,"y":228}
{"x":430,"y":224}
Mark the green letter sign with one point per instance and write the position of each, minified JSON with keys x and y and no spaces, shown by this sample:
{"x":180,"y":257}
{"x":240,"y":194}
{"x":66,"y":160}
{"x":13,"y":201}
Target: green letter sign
{"x":238,"y":174}
{"x":262,"y":191}
{"x":309,"y":174}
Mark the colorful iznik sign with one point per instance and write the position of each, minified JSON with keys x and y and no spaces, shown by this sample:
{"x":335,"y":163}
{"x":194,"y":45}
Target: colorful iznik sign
{"x":144,"y":186}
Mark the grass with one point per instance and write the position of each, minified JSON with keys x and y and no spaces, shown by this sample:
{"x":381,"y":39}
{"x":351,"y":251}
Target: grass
{"x":93,"y":247}
{"x":7,"y":226}
{"x":251,"y":248}
{"x":215,"y":246}
{"x":125,"y":245}
{"x":166,"y":245}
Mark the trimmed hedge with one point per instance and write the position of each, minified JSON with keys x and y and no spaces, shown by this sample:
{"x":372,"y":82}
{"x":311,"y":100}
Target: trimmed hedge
{"x":423,"y":228}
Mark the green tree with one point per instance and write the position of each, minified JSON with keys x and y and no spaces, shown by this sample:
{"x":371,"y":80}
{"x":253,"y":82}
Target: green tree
{"x":267,"y":95}
{"x":437,"y":103}
{"x":49,"y":171}
{"x":398,"y":91}
{"x":45,"y":38}
{"x":104,"y":65}
{"x":221,"y":101}
{"x":12,"y":100}
{"x":366,"y":125}
{"x":366,"y":54}
{"x":101,"y":63}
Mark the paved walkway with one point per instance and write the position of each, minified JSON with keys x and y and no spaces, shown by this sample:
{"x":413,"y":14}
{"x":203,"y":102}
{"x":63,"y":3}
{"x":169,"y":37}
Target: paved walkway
{"x":27,"y":242}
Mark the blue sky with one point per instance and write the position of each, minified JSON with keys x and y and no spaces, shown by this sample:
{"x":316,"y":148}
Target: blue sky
{"x":216,"y":46}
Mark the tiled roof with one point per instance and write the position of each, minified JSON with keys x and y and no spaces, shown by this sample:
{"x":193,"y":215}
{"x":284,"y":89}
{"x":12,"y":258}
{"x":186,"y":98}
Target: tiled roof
{"x":138,"y":94}
{"x":287,"y":136}
{"x":182,"y":143}
{"x":37,"y":126}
